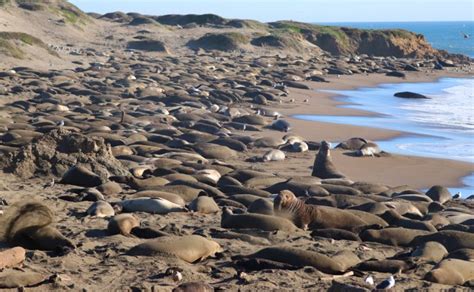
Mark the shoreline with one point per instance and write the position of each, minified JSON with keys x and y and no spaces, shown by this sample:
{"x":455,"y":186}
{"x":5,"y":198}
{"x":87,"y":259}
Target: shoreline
{"x":397,"y":169}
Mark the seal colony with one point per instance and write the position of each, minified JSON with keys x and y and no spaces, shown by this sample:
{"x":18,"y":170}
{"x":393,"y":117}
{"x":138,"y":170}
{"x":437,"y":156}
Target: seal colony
{"x":150,"y":171}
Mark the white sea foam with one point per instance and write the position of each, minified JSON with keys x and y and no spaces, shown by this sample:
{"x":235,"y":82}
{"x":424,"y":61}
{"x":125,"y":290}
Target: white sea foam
{"x":452,"y":109}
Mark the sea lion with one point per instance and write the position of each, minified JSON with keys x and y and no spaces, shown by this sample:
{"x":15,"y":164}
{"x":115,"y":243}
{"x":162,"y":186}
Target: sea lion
{"x":101,"y":209}
{"x":273,"y":155}
{"x":313,"y":217}
{"x":204,"y":204}
{"x":431,"y":251}
{"x":452,"y":272}
{"x":122,"y":224}
{"x":256,"y":221}
{"x":396,"y":236}
{"x":30,"y":225}
{"x":190,"y":248}
{"x":323,"y":166}
{"x":336,"y":264}
{"x":148,"y":205}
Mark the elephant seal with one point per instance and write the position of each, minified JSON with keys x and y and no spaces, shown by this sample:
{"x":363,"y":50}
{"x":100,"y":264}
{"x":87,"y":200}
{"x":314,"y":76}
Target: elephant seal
{"x":281,"y":125}
{"x":396,"y":236}
{"x":395,"y":219}
{"x":452,"y":272}
{"x":369,"y":149}
{"x":439,"y":194}
{"x":261,"y":206}
{"x":204,"y":204}
{"x":323,"y":166}
{"x":386,"y":266}
{"x":313,"y":217}
{"x":152,"y":206}
{"x":29,"y":224}
{"x":430,"y":251}
{"x":19,"y":279}
{"x":255,"y":221}
{"x":336,"y":234}
{"x":336,"y":264}
{"x":174,"y":198}
{"x":81,"y":176}
{"x":352,"y":144}
{"x":466,"y":254}
{"x":274,"y":155}
{"x":190,"y":248}
{"x":122,"y":224}
{"x":451,"y":239}
{"x":194,"y":287}
{"x":101,"y":209}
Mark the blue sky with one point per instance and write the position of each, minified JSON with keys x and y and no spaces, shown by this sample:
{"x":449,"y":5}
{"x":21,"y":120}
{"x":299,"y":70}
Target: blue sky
{"x":299,"y":10}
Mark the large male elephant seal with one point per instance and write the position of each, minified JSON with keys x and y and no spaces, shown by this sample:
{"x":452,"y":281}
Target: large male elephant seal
{"x":314,"y":217}
{"x":323,"y":166}
{"x":190,"y":248}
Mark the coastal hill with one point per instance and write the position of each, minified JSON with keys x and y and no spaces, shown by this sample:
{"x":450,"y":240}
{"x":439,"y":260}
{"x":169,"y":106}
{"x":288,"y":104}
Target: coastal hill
{"x":56,"y":32}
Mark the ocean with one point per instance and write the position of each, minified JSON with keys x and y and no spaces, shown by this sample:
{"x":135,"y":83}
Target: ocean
{"x":447,"y":36}
{"x":439,"y":127}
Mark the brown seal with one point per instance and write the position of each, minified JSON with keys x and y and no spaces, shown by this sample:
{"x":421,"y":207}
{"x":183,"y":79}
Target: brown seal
{"x":452,"y":272}
{"x":323,"y":166}
{"x":313,"y":217}
{"x":30,"y":225}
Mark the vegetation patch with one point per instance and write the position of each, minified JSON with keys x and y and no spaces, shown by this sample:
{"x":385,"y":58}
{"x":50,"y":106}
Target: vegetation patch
{"x":148,"y":45}
{"x":11,"y":42}
{"x":230,"y":41}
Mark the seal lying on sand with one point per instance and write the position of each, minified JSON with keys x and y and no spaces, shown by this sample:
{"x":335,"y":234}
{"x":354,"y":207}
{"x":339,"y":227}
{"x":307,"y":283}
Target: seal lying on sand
{"x":257,"y":221}
{"x":29,"y":225}
{"x":190,"y":248}
{"x":452,"y":272}
{"x":313,"y":217}
{"x":336,"y":264}
{"x":323,"y":166}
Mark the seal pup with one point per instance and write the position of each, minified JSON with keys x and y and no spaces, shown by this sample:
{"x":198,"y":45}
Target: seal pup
{"x":314,"y":217}
{"x":101,"y":209}
{"x":273,"y":155}
{"x":323,"y":166}
{"x":452,"y":272}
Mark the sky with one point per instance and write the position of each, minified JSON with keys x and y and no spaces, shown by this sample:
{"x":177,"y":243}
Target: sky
{"x":298,"y":10}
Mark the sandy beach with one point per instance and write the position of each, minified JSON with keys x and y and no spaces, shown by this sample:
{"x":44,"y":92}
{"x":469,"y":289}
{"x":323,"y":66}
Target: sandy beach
{"x":393,"y":170}
{"x":144,"y":153}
